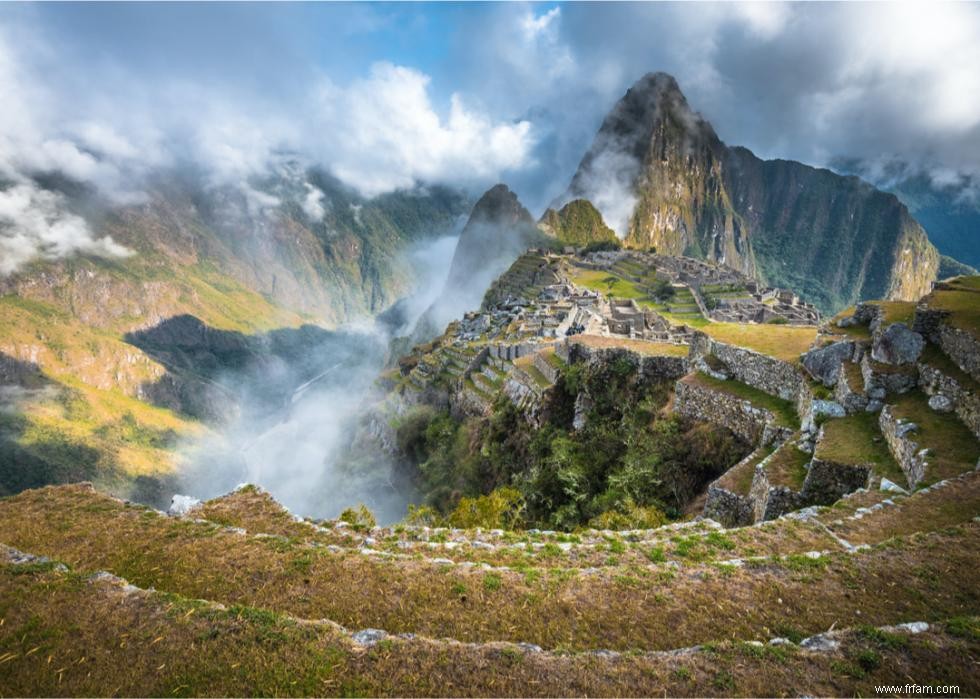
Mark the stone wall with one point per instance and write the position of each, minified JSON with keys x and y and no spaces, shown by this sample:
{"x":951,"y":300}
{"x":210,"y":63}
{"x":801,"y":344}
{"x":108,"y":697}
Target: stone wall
{"x":962,"y":347}
{"x":959,"y":345}
{"x":545,"y":367}
{"x":964,"y":401}
{"x":649,"y":367}
{"x":828,"y":481}
{"x":510,"y":352}
{"x":476,"y":362}
{"x":727,"y":508}
{"x":899,"y":435}
{"x":754,"y":425}
{"x":770,"y":375}
{"x":771,"y":501}
{"x":881,"y":379}
{"x":851,"y":397}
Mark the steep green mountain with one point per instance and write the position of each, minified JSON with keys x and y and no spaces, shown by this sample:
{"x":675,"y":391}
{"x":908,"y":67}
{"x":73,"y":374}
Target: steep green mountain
{"x":834,"y":239}
{"x":111,"y":361}
{"x":576,"y":223}
{"x":949,"y":211}
{"x":498,"y":231}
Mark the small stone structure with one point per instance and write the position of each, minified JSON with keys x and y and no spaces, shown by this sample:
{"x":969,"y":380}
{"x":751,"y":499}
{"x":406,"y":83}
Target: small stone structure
{"x":899,"y":434}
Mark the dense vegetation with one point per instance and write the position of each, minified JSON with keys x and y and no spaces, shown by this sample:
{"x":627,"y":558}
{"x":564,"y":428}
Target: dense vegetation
{"x":578,"y":223}
{"x":629,"y":465}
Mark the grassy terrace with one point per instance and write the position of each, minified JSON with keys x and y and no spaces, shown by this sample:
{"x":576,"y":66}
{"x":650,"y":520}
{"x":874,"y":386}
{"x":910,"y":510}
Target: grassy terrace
{"x":962,"y":301}
{"x":896,"y":311}
{"x":787,"y":466}
{"x":857,"y":439}
{"x":632,"y":607}
{"x":526,"y":364}
{"x":528,"y":553}
{"x":595,"y":279}
{"x":664,"y":349}
{"x":553,"y":359}
{"x":854,"y":332}
{"x":949,"y":506}
{"x":953,"y":447}
{"x":88,"y":639}
{"x":783,"y":410}
{"x":738,"y":479}
{"x":785,"y":342}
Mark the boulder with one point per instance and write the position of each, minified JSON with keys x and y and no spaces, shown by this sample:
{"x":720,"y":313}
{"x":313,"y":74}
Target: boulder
{"x":941,"y":403}
{"x":824,"y":363}
{"x":897,"y":345}
{"x":829,"y":408}
{"x":180,"y":505}
{"x":368,"y":637}
{"x":890,"y":487}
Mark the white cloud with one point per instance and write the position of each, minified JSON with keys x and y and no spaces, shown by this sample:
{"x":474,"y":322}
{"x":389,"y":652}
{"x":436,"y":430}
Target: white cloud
{"x":534,"y":26}
{"x":313,"y":202}
{"x":34,"y":223}
{"x":383,"y":133}
{"x":378,"y":133}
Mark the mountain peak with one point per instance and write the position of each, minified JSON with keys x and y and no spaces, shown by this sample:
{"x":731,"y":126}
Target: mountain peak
{"x":499,"y":206}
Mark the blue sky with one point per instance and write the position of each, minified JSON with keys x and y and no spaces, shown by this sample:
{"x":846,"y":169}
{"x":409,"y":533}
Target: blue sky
{"x":386,"y":94}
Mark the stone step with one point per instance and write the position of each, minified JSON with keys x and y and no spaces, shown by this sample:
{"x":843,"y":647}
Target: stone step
{"x":484,"y":383}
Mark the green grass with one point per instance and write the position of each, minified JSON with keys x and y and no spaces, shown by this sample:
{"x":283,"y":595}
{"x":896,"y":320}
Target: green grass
{"x":787,"y":466}
{"x":617,"y":286}
{"x":896,"y":312}
{"x":785,"y":342}
{"x":954,"y":448}
{"x":783,"y":410}
{"x":962,"y":303}
{"x":857,"y":439}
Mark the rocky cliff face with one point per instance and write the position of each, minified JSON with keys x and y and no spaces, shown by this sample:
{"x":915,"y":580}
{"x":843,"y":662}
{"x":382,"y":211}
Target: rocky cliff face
{"x":659,"y":167}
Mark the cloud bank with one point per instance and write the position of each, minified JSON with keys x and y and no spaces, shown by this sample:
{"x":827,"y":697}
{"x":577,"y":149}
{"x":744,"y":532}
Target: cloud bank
{"x":377,"y":133}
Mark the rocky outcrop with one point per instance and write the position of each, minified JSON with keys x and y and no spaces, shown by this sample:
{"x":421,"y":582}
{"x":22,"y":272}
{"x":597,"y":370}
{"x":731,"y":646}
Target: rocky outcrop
{"x":498,"y":231}
{"x":897,"y":344}
{"x":824,"y":363}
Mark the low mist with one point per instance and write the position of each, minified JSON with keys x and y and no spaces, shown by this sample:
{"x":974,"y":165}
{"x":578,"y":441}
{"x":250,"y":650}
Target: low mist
{"x":309,"y":440}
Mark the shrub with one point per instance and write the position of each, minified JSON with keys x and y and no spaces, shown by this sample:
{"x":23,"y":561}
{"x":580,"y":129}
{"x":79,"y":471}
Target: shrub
{"x":423,"y":516}
{"x":503,"y":508}
{"x":602,"y":246}
{"x":359,"y":517}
